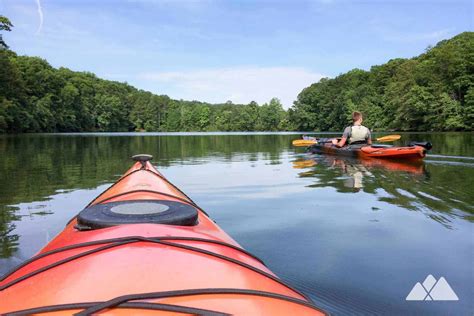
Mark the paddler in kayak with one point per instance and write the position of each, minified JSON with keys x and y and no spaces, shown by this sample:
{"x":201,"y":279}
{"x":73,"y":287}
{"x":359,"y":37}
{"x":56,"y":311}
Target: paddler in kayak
{"x":355,"y":134}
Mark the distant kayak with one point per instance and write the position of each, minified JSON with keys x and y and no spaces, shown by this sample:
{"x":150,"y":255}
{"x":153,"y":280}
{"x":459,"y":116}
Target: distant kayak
{"x":143,"y":247}
{"x":307,"y":141}
{"x":414,"y":151}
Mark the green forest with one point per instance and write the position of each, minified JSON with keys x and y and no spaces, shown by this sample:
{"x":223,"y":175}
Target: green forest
{"x":431,"y":92}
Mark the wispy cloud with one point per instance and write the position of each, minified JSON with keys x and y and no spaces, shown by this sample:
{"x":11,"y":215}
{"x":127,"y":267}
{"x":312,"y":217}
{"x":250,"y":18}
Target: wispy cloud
{"x":237,"y":84}
{"x":40,"y":15}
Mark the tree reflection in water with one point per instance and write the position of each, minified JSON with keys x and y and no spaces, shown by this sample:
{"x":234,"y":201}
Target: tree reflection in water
{"x":405,"y":184}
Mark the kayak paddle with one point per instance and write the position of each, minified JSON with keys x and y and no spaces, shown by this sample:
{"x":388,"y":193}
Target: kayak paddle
{"x":389,"y":138}
{"x":303,"y":142}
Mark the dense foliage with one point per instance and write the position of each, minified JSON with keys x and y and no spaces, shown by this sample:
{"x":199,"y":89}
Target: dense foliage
{"x":434,"y":91}
{"x":35,"y":97}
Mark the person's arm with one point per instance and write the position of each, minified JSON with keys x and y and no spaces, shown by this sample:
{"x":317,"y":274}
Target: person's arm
{"x":345,"y":135}
{"x":341,"y":143}
{"x":369,"y":138}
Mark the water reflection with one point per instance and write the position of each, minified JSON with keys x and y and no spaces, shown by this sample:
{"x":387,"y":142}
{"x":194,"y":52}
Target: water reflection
{"x":35,"y":168}
{"x":65,"y":162}
{"x":355,"y":170}
{"x":405,"y":184}
{"x":8,"y":238}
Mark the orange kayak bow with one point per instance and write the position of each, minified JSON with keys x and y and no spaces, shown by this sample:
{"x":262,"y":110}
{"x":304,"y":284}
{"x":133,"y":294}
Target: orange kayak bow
{"x":144,"y":247}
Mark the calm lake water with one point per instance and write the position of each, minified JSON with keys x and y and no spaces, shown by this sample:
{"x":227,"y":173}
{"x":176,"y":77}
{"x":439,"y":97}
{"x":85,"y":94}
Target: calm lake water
{"x":354,"y":235}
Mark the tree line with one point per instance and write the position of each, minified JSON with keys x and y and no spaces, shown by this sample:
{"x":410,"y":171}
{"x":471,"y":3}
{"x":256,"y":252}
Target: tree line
{"x":35,"y":97}
{"x":433,"y":91}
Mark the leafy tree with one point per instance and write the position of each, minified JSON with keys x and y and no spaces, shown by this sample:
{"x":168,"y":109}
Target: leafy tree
{"x":44,"y":118}
{"x":202,"y":115}
{"x":223,"y":121}
{"x":468,"y":110}
{"x":5,"y":25}
{"x":270,"y":115}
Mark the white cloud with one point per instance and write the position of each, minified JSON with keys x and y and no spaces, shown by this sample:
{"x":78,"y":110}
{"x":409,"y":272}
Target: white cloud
{"x":238,"y":84}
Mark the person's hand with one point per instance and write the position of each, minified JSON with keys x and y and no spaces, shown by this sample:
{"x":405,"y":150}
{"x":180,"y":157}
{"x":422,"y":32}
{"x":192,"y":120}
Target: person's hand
{"x":334,"y":141}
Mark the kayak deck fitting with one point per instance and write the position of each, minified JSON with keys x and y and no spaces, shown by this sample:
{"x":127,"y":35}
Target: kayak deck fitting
{"x":143,"y":246}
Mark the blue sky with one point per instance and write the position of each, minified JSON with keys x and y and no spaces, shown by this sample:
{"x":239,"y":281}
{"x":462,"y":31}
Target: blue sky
{"x":228,"y":50}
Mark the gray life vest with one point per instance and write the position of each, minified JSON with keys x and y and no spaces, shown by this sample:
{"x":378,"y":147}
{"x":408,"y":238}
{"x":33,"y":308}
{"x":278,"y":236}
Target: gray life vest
{"x":359,"y":133}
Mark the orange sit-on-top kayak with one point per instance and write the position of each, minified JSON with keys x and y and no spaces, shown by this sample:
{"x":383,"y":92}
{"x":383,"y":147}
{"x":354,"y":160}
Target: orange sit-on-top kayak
{"x":142,"y":247}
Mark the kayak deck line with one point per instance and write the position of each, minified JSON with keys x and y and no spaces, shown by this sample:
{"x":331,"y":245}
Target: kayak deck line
{"x":158,"y":295}
{"x":132,"y":239}
{"x":123,"y":302}
{"x":122,"y":239}
{"x":127,"y":240}
{"x":147,"y":191}
{"x":126,"y":305}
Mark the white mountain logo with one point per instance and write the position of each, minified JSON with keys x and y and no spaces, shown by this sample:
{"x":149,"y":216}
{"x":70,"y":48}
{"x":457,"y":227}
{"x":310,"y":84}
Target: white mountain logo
{"x":432,"y":290}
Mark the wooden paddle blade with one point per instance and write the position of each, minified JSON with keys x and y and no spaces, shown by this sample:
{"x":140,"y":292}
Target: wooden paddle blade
{"x":389,"y":138}
{"x":303,"y":142}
